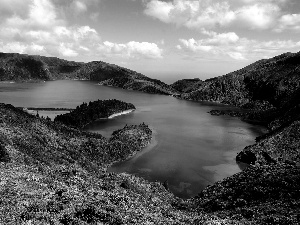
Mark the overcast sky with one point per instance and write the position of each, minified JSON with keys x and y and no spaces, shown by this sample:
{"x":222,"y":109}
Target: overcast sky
{"x":162,"y":39}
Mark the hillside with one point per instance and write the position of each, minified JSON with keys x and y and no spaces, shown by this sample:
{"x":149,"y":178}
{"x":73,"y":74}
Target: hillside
{"x":186,"y":85}
{"x":268,"y":191}
{"x":18,"y":67}
{"x":52,"y":174}
{"x":272,"y":82}
{"x":24,"y":68}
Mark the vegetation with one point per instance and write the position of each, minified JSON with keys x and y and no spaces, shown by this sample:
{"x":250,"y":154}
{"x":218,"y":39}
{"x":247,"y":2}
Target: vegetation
{"x":54,"y":174}
{"x":87,"y":113}
{"x":24,"y":68}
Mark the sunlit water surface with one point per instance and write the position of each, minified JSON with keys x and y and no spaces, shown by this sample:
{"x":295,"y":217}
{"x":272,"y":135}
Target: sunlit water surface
{"x":190,"y":148}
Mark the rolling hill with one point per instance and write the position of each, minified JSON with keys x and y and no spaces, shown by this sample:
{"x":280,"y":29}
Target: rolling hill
{"x":24,"y":68}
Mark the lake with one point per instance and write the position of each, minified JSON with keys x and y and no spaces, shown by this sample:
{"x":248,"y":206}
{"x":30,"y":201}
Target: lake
{"x":190,"y":148}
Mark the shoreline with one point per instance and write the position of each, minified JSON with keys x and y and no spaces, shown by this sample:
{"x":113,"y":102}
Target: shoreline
{"x":44,"y":109}
{"x":119,"y":113}
{"x":133,"y":154}
{"x":151,"y":144}
{"x":110,"y":117}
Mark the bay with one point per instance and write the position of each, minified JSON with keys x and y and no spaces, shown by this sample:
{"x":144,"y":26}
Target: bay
{"x":190,"y":148}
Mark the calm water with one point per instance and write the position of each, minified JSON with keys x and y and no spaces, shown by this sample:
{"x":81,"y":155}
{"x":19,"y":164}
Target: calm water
{"x":190,"y":149}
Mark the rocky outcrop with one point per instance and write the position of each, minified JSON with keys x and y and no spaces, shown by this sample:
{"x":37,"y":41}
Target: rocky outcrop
{"x":24,"y":68}
{"x":87,"y":113}
{"x":246,"y":157}
{"x":280,"y":145}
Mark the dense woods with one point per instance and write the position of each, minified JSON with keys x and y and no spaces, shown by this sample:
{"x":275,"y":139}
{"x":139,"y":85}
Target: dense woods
{"x":92,"y":111}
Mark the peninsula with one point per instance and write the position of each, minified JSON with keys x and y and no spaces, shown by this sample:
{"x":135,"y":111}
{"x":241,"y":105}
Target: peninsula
{"x":87,"y":113}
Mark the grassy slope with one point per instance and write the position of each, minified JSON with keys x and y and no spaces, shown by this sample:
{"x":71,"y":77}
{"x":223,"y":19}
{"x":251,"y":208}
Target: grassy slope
{"x":54,"y":174}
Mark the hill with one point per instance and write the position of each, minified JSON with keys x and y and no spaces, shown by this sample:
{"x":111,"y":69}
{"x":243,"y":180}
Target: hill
{"x":53,"y":174}
{"x":24,"y":68}
{"x":267,"y":191}
{"x":271,"y":82}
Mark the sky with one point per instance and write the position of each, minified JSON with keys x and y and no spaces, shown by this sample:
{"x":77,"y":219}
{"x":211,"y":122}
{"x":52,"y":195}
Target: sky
{"x":163,"y":39}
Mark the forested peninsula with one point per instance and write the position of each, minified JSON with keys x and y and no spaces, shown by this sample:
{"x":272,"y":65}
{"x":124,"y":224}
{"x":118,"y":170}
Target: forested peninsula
{"x":93,"y":111}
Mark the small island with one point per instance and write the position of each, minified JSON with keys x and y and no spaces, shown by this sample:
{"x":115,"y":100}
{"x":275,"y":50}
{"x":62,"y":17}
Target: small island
{"x":87,"y":113}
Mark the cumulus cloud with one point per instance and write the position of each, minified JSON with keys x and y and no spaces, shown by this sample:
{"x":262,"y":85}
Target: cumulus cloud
{"x":79,"y":6}
{"x":67,"y":51}
{"x":202,"y":13}
{"x":220,"y":39}
{"x":218,"y":45}
{"x":246,"y":14}
{"x":258,"y":16}
{"x":289,"y":22}
{"x":42,"y":31}
{"x":131,"y":49}
{"x":240,"y":49}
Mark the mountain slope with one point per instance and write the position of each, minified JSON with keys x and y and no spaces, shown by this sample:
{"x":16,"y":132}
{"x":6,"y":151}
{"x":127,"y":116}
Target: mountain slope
{"x":20,"y":68}
{"x":53,"y":174}
{"x":272,"y":81}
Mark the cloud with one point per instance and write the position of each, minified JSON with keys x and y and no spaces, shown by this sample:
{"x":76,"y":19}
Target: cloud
{"x":41,"y":15}
{"x":131,"y":49}
{"x":211,"y":14}
{"x":258,"y":16}
{"x":220,"y":46}
{"x":220,"y":39}
{"x":67,"y":51}
{"x":289,"y":22}
{"x":192,"y":14}
{"x":41,"y":30}
{"x":11,"y":7}
{"x":160,"y":10}
{"x":80,"y":6}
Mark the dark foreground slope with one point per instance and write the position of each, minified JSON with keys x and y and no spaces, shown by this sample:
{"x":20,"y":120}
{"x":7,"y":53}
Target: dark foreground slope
{"x":268,"y":191}
{"x":52,"y":174}
{"x":23,"y":68}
